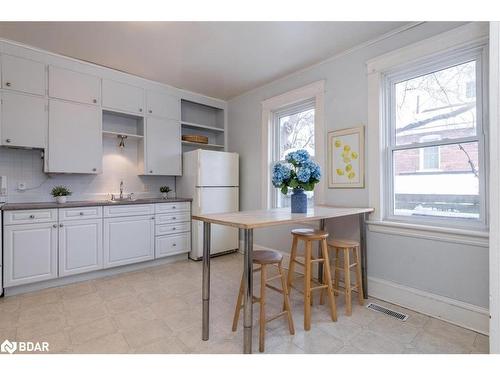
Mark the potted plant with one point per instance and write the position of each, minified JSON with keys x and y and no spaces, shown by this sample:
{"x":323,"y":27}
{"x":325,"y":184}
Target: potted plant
{"x":164,"y":190}
{"x":61,"y":193}
{"x":297,"y":172}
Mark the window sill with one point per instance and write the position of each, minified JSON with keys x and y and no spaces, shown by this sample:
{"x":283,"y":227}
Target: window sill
{"x":461,"y":236}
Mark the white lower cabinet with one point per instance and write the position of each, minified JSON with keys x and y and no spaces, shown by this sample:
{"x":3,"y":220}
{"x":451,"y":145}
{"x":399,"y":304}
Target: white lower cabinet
{"x":80,"y":246}
{"x":173,"y":244}
{"x":128,"y":240}
{"x":30,"y":253}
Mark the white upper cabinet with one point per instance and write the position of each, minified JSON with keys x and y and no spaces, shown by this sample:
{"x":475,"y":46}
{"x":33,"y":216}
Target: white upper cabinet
{"x":75,"y":138}
{"x":23,"y":120}
{"x":163,"y":105}
{"x":74,"y":86}
{"x":122,"y":97}
{"x":23,"y":75}
{"x":162,"y":147}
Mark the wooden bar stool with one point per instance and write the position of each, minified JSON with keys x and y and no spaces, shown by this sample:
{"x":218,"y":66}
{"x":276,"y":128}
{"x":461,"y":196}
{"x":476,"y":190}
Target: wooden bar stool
{"x":309,"y":236}
{"x":344,"y":247}
{"x":265,"y":258}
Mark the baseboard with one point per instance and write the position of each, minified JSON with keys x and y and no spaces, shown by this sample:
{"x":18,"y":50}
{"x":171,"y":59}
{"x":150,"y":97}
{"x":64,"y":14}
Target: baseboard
{"x":447,"y":309}
{"x":450,"y":310}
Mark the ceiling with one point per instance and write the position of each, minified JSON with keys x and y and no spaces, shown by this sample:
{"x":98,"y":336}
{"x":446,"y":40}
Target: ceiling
{"x":218,"y":59}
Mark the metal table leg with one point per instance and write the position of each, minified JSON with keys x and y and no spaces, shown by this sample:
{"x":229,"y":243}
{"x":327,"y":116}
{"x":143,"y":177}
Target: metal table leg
{"x":248,"y":292}
{"x":206,"y":281}
{"x":362,"y":242}
{"x":322,"y":226}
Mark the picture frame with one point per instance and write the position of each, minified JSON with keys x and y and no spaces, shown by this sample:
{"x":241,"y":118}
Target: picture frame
{"x":346,"y":158}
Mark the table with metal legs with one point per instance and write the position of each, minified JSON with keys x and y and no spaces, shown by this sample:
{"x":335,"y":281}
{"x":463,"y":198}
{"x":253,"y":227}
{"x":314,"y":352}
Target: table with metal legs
{"x":240,"y":220}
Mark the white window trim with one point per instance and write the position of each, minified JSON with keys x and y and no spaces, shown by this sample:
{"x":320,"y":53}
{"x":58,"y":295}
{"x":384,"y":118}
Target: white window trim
{"x":458,"y":38}
{"x":316,"y":91}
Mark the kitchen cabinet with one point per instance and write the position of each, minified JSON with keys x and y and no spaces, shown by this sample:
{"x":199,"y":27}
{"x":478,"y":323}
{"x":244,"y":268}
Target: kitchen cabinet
{"x":172,"y":245}
{"x":23,"y":121}
{"x":80,"y":246}
{"x":163,"y":105}
{"x":122,"y":97}
{"x":23,"y":75}
{"x":128,"y":240}
{"x":162,"y":147}
{"x":78,"y":87}
{"x":75,"y":138}
{"x":30,"y":253}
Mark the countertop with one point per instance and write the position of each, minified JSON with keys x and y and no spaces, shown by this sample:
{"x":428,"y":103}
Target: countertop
{"x":45,"y":205}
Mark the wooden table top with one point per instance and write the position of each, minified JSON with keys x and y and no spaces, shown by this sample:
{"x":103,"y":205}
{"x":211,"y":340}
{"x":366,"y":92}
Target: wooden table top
{"x":277,"y":216}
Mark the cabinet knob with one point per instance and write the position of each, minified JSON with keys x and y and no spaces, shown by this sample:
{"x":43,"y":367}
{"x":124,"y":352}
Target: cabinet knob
{"x":8,"y":84}
{"x":61,"y":225}
{"x":94,"y":100}
{"x":81,"y":213}
{"x":174,"y":244}
{"x":94,"y":169}
{"x":140,"y":109}
{"x":32,"y":216}
{"x":173,"y":228}
{"x":54,"y":226}
{"x":151,"y":171}
{"x":173,"y":207}
{"x":174,"y":218}
{"x":7,"y":140}
{"x":150,"y":111}
{"x":153,"y":218}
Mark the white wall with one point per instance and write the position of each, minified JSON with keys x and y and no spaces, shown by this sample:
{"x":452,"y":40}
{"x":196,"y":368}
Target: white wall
{"x":118,"y":164}
{"x":451,"y":270}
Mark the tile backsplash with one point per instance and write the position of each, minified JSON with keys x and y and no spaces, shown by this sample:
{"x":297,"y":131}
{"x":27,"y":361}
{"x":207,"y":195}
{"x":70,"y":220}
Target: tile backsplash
{"x":26,"y":166}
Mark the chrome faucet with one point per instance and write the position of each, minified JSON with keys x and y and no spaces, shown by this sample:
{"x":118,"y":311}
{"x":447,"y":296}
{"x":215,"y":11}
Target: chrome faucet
{"x":121,"y":189}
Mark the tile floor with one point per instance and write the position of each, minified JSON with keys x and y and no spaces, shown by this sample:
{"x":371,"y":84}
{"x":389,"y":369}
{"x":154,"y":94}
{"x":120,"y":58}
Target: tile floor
{"x":158,"y":310}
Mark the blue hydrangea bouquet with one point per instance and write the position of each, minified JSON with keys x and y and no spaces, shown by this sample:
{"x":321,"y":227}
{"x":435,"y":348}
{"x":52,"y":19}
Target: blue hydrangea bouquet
{"x":298,"y":172}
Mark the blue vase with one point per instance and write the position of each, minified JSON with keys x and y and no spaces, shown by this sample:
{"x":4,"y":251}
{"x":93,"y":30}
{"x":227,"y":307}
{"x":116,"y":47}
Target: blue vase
{"x":299,"y":201}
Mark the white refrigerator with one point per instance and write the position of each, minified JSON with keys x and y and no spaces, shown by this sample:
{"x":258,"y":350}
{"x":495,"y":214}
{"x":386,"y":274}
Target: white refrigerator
{"x":211,"y":179}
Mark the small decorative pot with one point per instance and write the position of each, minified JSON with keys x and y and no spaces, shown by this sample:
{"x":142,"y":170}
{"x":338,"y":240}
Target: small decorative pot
{"x":61,"y":199}
{"x":164,"y":195}
{"x":299,"y":201}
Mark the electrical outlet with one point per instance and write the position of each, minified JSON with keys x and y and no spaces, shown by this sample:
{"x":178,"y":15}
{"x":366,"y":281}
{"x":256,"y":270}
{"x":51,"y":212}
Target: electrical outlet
{"x":21,"y":186}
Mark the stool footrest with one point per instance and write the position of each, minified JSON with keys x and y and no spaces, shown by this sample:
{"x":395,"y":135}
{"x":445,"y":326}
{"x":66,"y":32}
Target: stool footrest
{"x":324,"y":286}
{"x":274,"y":288}
{"x":276,"y":316}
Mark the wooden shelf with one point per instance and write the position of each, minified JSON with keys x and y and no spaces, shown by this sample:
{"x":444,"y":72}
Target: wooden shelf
{"x":200,"y":126}
{"x":202,"y":145}
{"x":115,"y":134}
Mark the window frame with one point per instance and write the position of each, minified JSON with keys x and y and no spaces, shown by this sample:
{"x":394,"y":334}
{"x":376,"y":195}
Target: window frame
{"x":275,"y":143}
{"x":415,"y":69}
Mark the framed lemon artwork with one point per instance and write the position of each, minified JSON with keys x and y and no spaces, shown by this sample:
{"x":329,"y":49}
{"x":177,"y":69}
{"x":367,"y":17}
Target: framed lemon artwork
{"x":346,"y":158}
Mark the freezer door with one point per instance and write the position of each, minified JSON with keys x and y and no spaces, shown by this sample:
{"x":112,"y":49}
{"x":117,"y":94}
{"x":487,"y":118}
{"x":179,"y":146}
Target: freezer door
{"x":214,"y":200}
{"x":217,"y":168}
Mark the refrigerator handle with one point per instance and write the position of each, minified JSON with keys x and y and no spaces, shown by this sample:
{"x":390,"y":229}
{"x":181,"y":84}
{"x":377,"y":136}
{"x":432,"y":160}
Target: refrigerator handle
{"x":198,"y":191}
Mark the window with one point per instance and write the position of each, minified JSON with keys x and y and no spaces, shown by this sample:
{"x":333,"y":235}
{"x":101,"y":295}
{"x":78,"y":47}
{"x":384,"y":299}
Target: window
{"x":293,"y":129}
{"x":435,"y":169}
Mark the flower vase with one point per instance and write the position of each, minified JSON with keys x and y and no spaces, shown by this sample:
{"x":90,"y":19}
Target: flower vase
{"x":299,"y":201}
{"x":61,"y":199}
{"x":164,"y":195}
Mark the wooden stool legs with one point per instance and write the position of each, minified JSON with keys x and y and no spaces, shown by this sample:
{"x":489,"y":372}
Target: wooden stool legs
{"x":262,"y":301}
{"x":309,"y":259}
{"x":345,"y":250}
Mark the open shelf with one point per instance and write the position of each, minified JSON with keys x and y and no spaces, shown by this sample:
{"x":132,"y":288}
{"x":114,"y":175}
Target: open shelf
{"x":200,"y":126}
{"x":202,"y":145}
{"x":115,"y":134}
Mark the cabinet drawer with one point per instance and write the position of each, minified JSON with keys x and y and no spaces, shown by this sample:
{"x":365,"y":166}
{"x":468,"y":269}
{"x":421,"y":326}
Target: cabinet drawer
{"x":172,"y":228}
{"x":174,"y":217}
{"x":171,"y":245}
{"x":162,"y":208}
{"x":129,"y":210}
{"x":78,"y":213}
{"x":30,"y":216}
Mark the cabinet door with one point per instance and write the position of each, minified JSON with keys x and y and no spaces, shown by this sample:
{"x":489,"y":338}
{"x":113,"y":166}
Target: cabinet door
{"x":23,"y":75}
{"x":74,"y":86}
{"x":128,"y":240}
{"x":30,"y":253}
{"x":163,"y":147}
{"x":163,"y":105}
{"x":23,"y":120}
{"x":75,"y":138}
{"x":122,"y":97}
{"x":80,"y":246}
